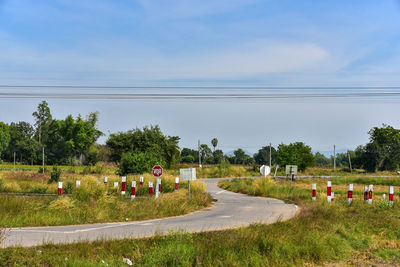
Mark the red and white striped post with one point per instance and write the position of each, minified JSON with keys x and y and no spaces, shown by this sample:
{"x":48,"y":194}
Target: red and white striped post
{"x":141,"y":181}
{"x":59,"y":188}
{"x":329,"y":192}
{"x":333,"y":196}
{"x":159,"y":185}
{"x":370,"y":190}
{"x":350,"y":194}
{"x":78,"y":183}
{"x":314,"y":191}
{"x":176,"y":183}
{"x":105,"y":180}
{"x":133,"y":190}
{"x":391,"y":193}
{"x":151,"y":189}
{"x":123,"y":185}
{"x":365,"y":193}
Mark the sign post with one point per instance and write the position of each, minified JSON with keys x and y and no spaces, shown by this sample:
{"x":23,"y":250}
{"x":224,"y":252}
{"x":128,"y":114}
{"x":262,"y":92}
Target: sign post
{"x":157,"y":172}
{"x":188,"y":174}
{"x":265,"y":170}
{"x":292,"y":171}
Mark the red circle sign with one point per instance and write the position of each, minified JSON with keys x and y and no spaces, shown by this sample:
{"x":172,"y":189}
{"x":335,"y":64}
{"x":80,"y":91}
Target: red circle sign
{"x":157,"y":171}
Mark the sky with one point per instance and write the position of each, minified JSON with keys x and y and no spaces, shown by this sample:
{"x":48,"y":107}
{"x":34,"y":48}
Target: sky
{"x":244,"y":44}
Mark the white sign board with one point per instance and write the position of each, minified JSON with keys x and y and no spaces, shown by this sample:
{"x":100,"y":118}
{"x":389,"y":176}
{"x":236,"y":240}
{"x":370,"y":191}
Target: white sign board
{"x":188,"y":174}
{"x":291,"y":169}
{"x":265,"y":170}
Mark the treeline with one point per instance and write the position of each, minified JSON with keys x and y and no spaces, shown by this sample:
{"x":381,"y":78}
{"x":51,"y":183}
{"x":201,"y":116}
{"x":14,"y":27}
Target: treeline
{"x":73,"y":141}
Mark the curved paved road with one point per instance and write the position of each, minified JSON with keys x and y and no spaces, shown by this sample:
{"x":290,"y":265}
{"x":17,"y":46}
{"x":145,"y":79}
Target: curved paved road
{"x":229,"y":211}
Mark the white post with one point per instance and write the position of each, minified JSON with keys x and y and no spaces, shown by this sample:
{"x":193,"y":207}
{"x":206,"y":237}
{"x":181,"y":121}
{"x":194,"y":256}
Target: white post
{"x":105,"y":180}
{"x":133,"y":190}
{"x":350,"y":194}
{"x":123,"y":185}
{"x":391,"y":193}
{"x":60,"y":188}
{"x":329,"y":192}
{"x":78,"y":183}
{"x":314,"y":191}
{"x":370,"y":190}
{"x":115,"y":184}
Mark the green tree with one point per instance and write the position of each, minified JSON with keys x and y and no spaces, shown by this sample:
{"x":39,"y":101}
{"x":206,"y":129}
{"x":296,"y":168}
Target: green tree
{"x":137,"y":163}
{"x":150,"y":139}
{"x":295,"y":154}
{"x":214,"y":142}
{"x":262,"y":156}
{"x":4,"y":137}
{"x":321,"y":160}
{"x":43,"y":119}
{"x":189,"y":155}
{"x":218,"y":156}
{"x":205,"y":152}
{"x":23,"y":143}
{"x":383,"y":150}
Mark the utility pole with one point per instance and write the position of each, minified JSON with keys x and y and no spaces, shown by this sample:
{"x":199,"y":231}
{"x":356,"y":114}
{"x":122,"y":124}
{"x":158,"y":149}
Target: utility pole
{"x":334,"y":158}
{"x":42,"y":159}
{"x":14,"y":161}
{"x":199,"y":154}
{"x":348,"y":154}
{"x":270,"y":161}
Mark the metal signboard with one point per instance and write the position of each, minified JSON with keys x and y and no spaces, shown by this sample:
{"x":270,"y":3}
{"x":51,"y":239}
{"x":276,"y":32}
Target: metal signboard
{"x":188,"y":174}
{"x":291,"y":169}
{"x":157,"y":171}
{"x":265,"y":170}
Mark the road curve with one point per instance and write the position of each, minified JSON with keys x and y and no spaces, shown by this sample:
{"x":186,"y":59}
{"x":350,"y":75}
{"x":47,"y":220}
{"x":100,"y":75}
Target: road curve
{"x":229,"y":210}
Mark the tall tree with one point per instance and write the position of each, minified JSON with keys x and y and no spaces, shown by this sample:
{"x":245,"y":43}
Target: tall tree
{"x":262,"y":156}
{"x":4,"y":137}
{"x":43,"y":119}
{"x":214,"y":143}
{"x":295,"y":154}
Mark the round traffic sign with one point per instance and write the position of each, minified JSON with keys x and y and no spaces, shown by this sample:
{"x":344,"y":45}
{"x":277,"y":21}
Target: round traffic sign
{"x":157,"y":171}
{"x":265,"y":170}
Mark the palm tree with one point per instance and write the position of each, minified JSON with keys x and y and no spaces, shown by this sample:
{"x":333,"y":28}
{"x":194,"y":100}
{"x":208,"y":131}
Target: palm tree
{"x":214,"y":143}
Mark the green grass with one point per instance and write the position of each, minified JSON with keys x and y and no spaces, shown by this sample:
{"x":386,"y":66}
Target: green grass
{"x":92,"y":204}
{"x":321,"y":234}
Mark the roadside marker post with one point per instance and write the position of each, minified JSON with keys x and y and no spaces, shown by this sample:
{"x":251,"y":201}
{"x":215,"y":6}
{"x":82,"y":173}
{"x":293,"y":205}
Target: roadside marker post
{"x":123,"y":185}
{"x":365,"y":193}
{"x":159,"y":185}
{"x":78,"y":183}
{"x":105,"y":180}
{"x":133,"y":190}
{"x":391,"y":193}
{"x":329,"y":192}
{"x":141,"y":181}
{"x":314,"y":191}
{"x":116,"y":184}
{"x":333,"y":196}
{"x":150,"y":189}
{"x":176,"y":183}
{"x":350,"y":194}
{"x":60,"y":188}
{"x":188,"y":174}
{"x":383,"y":196}
{"x":370,"y":190}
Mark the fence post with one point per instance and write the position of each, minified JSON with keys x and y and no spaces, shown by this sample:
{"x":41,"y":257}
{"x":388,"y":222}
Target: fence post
{"x":350,"y":194}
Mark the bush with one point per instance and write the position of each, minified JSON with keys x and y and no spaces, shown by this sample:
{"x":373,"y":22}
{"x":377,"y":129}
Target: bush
{"x":187,"y":159}
{"x":39,"y":190}
{"x":55,"y":175}
{"x":137,"y":163}
{"x":68,"y":188}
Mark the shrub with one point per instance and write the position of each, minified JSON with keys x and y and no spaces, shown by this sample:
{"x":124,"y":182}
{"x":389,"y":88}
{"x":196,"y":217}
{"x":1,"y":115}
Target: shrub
{"x":55,"y":175}
{"x":137,"y":163}
{"x":68,"y":188}
{"x":39,"y":190}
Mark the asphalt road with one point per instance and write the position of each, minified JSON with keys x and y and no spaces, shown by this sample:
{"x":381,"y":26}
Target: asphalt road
{"x":229,"y":210}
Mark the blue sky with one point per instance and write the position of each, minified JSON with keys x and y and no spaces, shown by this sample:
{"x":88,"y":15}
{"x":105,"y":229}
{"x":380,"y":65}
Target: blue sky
{"x":212,"y":43}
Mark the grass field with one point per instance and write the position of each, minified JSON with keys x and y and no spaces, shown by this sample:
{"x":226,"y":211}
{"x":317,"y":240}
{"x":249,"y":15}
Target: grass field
{"x":323,"y":234}
{"x":93,"y":203}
